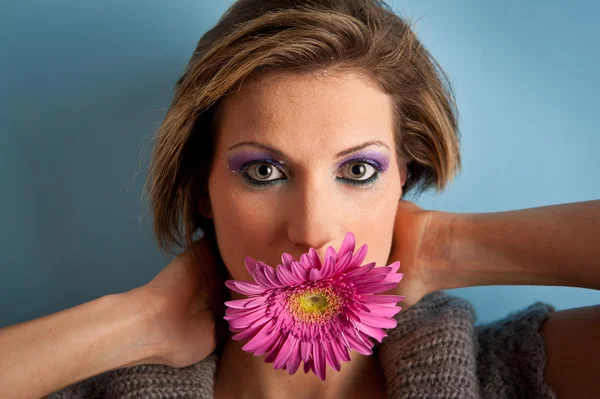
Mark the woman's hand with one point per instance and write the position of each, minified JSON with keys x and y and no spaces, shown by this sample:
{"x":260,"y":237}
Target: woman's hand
{"x":416,"y":241}
{"x":184,"y":297}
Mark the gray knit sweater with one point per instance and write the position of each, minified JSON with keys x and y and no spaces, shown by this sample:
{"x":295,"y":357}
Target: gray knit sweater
{"x":436,"y":351}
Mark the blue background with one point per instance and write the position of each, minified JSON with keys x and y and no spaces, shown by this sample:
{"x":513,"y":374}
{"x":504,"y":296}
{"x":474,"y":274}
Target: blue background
{"x":84,"y":85}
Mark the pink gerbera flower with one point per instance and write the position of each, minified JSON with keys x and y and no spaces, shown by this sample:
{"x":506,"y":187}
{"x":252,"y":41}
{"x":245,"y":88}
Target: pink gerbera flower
{"x":313,"y":312}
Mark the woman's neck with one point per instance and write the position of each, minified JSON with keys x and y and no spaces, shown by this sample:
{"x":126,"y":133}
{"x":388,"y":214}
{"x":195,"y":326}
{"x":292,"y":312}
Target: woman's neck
{"x":243,"y":375}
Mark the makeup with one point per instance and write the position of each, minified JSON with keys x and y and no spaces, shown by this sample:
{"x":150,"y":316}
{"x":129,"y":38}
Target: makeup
{"x":376,"y":159}
{"x":236,"y":161}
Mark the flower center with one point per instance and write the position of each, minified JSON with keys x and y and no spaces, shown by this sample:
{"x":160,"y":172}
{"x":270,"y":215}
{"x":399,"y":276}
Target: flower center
{"x":315,"y":305}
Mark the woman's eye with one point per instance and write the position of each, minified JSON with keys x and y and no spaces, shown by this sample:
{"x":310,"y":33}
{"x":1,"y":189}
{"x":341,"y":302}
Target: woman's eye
{"x":359,"y":171}
{"x":262,"y":171}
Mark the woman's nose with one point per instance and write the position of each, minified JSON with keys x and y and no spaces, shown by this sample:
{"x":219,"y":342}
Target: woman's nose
{"x":311,"y":218}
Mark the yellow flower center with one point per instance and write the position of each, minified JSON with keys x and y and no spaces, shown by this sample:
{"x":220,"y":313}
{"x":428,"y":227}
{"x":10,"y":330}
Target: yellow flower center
{"x":315,"y":305}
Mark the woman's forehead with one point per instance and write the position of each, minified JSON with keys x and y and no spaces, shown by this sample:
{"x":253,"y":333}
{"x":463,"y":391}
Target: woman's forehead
{"x":307,"y":112}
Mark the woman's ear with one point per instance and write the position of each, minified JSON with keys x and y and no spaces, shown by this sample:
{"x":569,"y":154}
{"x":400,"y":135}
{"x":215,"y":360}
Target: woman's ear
{"x":404,"y":173}
{"x":204,"y":208}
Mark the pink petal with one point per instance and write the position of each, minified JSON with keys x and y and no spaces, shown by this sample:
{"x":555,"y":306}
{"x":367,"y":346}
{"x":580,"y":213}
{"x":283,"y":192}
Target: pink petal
{"x":376,"y":288}
{"x":381,"y":299}
{"x":378,"y":322}
{"x":394,"y":266}
{"x":247,"y":303}
{"x":343,"y":263}
{"x":299,"y":271}
{"x":245,"y":321}
{"x":270,"y":274}
{"x":314,"y":275}
{"x":358,"y":346}
{"x":347,"y":246}
{"x":385,"y":311}
{"x":393,"y":278}
{"x":244,"y":287}
{"x":359,"y":256}
{"x":250,"y":264}
{"x":308,"y":366}
{"x":319,"y":360}
{"x":328,"y":268}
{"x":307,"y":262}
{"x":330,"y":252}
{"x":340,"y":351}
{"x":286,"y":276}
{"x":287,"y":259}
{"x":305,"y":350}
{"x":376,"y":333}
{"x":331,"y":357}
{"x":360,"y":271}
{"x":368,"y":279}
{"x":314,"y":258}
{"x":252,"y":330}
{"x":284,"y":353}
{"x":274,"y":351}
{"x":260,"y":276}
{"x":265,"y":336}
{"x":294,"y":357}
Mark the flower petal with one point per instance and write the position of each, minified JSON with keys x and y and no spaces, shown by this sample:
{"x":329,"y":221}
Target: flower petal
{"x":244,"y":287}
{"x":272,"y":353}
{"x":358,"y":345}
{"x":362,"y":270}
{"x":328,"y":268}
{"x":359,"y":256}
{"x":314,"y":258}
{"x":376,"y":288}
{"x":284,"y":353}
{"x":250,"y":264}
{"x":287,"y":259}
{"x":340,"y":351}
{"x":305,"y":350}
{"x":266,"y":334}
{"x":330,"y":252}
{"x":299,"y":271}
{"x":245,"y":321}
{"x":382,"y":299}
{"x":286,"y":276}
{"x":374,"y":332}
{"x":381,"y":310}
{"x":343,"y":263}
{"x":272,"y":277}
{"x":246,"y":303}
{"x":260,"y":276}
{"x":315,"y":274}
{"x":294,"y":358}
{"x":347,"y":246}
{"x":377,"y":321}
{"x":319,"y":360}
{"x":331,"y":356}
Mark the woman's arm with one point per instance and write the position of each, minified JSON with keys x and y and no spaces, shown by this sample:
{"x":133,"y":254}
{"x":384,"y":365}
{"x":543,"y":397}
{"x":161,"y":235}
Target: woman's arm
{"x":44,"y":355}
{"x":550,"y":245}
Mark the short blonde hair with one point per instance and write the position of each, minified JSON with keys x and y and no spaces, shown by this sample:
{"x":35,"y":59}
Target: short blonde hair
{"x":261,"y":36}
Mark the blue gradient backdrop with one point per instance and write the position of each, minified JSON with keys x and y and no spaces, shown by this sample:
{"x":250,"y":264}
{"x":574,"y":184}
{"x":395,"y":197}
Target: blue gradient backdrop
{"x":83,"y":86}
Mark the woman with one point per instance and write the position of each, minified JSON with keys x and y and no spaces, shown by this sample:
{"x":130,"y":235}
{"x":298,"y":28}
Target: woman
{"x":294,"y":123}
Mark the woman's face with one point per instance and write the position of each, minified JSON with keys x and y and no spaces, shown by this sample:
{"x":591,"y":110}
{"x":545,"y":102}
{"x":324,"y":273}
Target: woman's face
{"x":300,"y":161}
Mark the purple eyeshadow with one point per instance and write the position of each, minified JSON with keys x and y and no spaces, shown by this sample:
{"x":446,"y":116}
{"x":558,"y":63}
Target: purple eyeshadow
{"x":239,"y":159}
{"x":379,"y":158}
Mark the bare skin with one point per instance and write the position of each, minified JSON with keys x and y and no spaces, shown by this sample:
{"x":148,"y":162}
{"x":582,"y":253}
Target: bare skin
{"x":306,"y":120}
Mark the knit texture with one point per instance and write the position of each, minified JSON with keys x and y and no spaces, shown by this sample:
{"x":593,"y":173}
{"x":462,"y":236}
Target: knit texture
{"x":436,"y":351}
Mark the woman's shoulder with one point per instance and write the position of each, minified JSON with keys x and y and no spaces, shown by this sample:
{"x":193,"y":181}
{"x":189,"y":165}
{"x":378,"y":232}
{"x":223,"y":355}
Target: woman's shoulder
{"x":437,"y":339}
{"x":143,"y":381}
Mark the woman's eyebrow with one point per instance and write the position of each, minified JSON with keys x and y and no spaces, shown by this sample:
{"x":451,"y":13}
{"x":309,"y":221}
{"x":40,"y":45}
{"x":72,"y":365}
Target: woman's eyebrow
{"x":340,"y":154}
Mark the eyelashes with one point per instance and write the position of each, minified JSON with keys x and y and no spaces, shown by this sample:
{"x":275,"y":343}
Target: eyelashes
{"x":259,"y":173}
